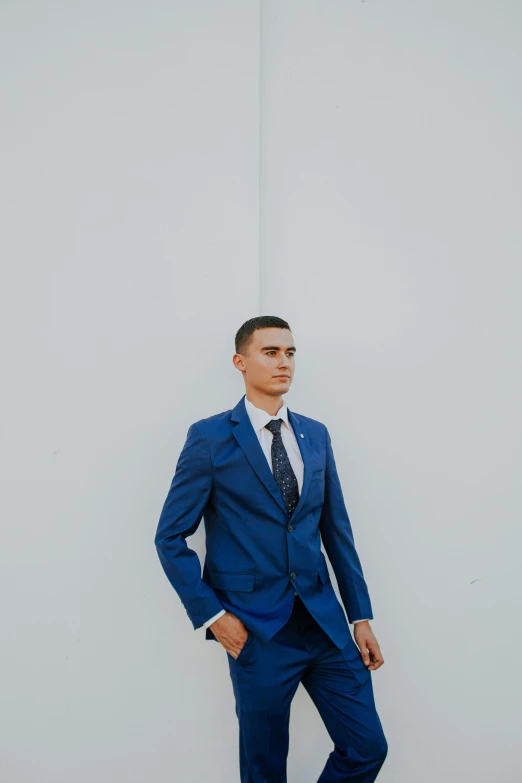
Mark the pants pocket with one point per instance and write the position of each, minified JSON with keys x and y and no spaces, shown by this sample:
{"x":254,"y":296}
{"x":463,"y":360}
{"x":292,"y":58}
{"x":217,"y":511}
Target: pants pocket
{"x":353,"y":657}
{"x":244,"y":650}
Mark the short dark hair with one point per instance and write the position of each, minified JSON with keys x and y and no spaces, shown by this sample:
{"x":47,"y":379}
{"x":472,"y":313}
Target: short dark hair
{"x":245,"y":332}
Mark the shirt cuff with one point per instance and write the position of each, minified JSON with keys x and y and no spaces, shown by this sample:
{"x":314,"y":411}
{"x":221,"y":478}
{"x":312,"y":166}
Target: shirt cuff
{"x":215,"y":617}
{"x":361,"y":621}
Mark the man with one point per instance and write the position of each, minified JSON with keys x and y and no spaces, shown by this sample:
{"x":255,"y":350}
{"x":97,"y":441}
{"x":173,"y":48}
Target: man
{"x":265,"y":480}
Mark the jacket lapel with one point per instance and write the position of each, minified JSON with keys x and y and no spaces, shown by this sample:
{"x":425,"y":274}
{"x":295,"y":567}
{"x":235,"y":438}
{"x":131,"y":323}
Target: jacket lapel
{"x":306,"y":453}
{"x":249,"y":443}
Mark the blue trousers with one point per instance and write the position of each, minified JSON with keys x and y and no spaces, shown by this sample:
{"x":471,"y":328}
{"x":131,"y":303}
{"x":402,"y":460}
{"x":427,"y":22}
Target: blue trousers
{"x":265,"y":677}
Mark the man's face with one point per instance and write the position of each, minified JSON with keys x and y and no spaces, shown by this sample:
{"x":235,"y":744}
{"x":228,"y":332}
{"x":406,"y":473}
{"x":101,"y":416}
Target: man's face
{"x":269,"y":364}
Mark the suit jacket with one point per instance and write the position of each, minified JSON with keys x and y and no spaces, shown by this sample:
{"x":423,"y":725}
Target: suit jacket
{"x":255,"y":555}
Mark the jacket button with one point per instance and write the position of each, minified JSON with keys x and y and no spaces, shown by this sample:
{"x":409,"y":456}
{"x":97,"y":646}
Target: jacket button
{"x":292,"y":575}
{"x":290,"y":528}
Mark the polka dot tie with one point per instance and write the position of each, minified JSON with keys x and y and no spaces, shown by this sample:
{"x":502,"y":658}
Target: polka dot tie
{"x":281,"y":467}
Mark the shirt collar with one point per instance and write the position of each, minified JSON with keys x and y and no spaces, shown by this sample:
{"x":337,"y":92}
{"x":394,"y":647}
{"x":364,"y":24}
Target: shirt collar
{"x":260,"y":418}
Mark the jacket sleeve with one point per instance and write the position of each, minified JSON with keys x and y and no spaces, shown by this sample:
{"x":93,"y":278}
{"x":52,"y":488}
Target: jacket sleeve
{"x":338,"y":539}
{"x":180,"y":517}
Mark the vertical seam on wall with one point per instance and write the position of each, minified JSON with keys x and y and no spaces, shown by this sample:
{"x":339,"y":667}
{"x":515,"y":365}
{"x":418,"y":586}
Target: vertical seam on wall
{"x":259,"y":161}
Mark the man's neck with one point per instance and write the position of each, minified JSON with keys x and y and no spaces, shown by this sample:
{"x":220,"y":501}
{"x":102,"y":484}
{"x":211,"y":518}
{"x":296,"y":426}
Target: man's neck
{"x":266,"y":402}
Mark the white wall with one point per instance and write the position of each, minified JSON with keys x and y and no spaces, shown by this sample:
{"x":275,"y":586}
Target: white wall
{"x":391,"y":203}
{"x":129,"y":254}
{"x":145,"y":219}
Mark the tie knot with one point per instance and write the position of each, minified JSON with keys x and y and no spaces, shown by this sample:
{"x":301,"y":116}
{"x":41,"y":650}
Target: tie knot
{"x":274,"y":426}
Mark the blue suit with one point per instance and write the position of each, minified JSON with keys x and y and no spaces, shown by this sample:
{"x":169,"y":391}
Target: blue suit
{"x":253,"y":559}
{"x":256,"y":559}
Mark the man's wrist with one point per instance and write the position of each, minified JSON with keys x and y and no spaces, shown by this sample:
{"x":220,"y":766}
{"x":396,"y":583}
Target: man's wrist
{"x":213,"y":619}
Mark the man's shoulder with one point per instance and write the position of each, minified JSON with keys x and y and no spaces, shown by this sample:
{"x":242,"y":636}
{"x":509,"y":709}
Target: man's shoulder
{"x":211,"y":422}
{"x":314,"y":425}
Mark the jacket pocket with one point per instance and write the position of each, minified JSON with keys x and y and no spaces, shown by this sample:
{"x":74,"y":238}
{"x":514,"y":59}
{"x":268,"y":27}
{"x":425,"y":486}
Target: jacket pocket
{"x":223,"y":580}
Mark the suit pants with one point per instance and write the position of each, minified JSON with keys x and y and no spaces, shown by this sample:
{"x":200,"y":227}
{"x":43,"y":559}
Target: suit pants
{"x":265,"y":677}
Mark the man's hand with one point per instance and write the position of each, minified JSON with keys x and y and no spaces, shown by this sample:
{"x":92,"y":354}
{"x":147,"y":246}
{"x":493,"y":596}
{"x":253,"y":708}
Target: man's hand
{"x":368,"y":645}
{"x":231,"y":632}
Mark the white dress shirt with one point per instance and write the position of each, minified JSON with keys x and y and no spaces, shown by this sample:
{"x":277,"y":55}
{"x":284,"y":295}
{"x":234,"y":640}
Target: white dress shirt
{"x":259,"y":418}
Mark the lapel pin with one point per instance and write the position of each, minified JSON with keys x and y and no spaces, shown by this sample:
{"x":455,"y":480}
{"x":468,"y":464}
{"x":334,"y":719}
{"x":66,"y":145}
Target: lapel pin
{"x":302,"y":435}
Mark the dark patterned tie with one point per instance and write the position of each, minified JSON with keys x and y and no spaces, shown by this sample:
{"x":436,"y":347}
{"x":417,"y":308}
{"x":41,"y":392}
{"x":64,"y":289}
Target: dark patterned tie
{"x":282,"y":469}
